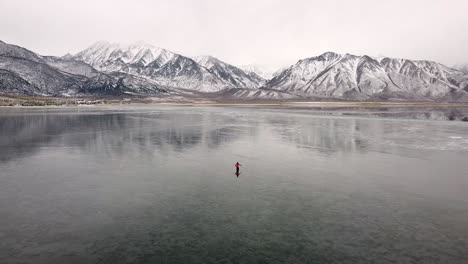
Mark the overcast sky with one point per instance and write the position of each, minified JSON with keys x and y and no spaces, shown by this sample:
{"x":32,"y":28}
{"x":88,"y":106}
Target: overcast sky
{"x":274,"y":32}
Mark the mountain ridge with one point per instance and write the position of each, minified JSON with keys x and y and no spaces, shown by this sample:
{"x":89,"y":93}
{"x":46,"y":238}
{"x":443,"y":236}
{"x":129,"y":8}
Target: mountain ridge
{"x":348,"y":76}
{"x":165,"y":67}
{"x":26,"y":72}
{"x":230,"y":73}
{"x":140,"y":68}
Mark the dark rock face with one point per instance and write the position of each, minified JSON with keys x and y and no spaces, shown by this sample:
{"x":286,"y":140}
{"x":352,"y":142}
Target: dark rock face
{"x":12,"y":83}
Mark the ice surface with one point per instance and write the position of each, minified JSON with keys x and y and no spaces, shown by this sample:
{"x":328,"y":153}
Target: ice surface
{"x":156,"y":184}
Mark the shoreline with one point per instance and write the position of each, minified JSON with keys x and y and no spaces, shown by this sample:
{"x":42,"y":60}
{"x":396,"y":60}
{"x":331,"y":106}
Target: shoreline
{"x":8,"y":100}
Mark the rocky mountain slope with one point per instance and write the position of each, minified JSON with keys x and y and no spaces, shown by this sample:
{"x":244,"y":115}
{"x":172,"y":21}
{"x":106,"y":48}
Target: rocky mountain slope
{"x":167,"y":68}
{"x":347,"y":76}
{"x":231,"y":74}
{"x":23,"y":71}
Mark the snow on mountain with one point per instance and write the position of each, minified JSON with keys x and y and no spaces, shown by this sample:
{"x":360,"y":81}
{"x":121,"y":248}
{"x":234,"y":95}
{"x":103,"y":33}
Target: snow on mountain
{"x":67,"y":56}
{"x":9,"y":50}
{"x":266,"y":72}
{"x":108,"y":56}
{"x":23,"y":71}
{"x":183,"y":72}
{"x":256,"y":94}
{"x":229,"y":73}
{"x":165,"y":67}
{"x":71,"y":66}
{"x":347,"y":76}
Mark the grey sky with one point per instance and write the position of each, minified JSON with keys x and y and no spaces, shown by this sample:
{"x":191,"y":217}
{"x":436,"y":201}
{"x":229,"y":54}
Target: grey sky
{"x":241,"y":32}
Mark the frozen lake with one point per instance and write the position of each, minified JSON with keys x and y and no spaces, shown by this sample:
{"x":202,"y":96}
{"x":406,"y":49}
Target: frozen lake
{"x":156,"y":184}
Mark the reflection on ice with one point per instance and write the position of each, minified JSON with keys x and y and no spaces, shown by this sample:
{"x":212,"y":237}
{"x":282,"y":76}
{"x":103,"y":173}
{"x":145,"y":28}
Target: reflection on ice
{"x":172,"y":131}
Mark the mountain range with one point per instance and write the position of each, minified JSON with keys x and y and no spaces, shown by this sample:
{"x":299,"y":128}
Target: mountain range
{"x":203,"y":74}
{"x":25,"y":72}
{"x":347,"y":76}
{"x":115,"y":69}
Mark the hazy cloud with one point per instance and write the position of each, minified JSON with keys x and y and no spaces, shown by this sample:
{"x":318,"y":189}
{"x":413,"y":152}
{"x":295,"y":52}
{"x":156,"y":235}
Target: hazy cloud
{"x":242,"y":32}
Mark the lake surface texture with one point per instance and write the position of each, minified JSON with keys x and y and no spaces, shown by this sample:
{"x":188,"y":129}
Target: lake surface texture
{"x":157,"y":184}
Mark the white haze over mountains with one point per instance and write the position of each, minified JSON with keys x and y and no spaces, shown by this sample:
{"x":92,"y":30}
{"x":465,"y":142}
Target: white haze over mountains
{"x":265,"y":71}
{"x":243,"y":32}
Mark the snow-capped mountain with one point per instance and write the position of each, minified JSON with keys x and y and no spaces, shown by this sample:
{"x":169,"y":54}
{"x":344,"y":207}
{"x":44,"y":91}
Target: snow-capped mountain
{"x":266,"y":72}
{"x":25,"y":72}
{"x":132,"y":58}
{"x":148,"y":61}
{"x":165,"y":67}
{"x":231,"y":74}
{"x":347,"y":76}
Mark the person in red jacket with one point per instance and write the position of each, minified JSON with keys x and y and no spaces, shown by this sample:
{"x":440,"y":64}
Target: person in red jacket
{"x":237,"y":167}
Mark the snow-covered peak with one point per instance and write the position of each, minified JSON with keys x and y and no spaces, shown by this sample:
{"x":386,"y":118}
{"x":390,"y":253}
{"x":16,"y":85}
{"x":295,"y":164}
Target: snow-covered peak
{"x":330,"y":59}
{"x":104,"y":53}
{"x":67,"y":56}
{"x":349,"y":76}
{"x":265,"y":71}
{"x":121,"y":45}
{"x":204,"y":73}
{"x":207,"y":61}
{"x":330,"y":55}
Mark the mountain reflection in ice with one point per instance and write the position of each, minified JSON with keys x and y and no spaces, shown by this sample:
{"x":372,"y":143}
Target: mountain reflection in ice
{"x":178,"y":131}
{"x":113,"y":134}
